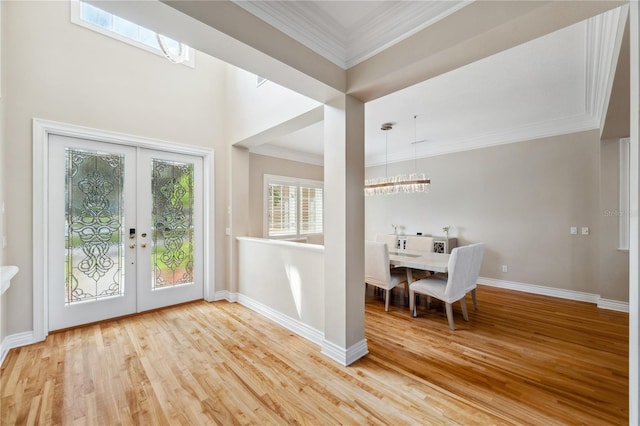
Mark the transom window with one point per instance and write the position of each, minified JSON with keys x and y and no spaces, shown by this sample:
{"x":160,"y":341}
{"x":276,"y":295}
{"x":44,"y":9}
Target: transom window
{"x":93,"y":18}
{"x":293,"y":207}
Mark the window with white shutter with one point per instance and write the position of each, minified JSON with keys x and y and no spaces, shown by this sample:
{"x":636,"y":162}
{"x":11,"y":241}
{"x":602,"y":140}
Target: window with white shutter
{"x":293,"y":207}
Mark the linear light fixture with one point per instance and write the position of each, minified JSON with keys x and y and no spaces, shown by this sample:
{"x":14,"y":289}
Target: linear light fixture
{"x":389,"y":185}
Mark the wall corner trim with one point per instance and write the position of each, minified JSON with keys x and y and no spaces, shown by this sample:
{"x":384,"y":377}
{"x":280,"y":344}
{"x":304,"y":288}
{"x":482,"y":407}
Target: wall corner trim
{"x":345,"y":356}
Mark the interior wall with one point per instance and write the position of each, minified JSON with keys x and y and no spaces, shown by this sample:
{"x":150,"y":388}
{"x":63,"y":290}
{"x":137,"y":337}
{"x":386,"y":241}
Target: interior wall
{"x":261,"y":165}
{"x":614,"y":278}
{"x":255,"y":109}
{"x":3,"y":303}
{"x":56,"y":70}
{"x":521,"y":200}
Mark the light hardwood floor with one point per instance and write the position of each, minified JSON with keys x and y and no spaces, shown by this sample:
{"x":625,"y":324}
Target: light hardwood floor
{"x":521,"y":359}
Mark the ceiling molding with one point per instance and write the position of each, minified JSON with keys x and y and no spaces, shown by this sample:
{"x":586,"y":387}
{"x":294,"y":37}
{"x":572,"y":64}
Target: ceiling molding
{"x":384,"y":25}
{"x":546,"y":129}
{"x":376,"y":33}
{"x":304,"y":22}
{"x":604,"y":38}
{"x":288,"y":154}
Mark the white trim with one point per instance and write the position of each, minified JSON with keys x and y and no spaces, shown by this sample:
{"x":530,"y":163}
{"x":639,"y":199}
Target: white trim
{"x":224,"y":295}
{"x":623,"y":212}
{"x":41,"y":131}
{"x":345,"y":356}
{"x":522,"y":133}
{"x":613,"y":305}
{"x":542,"y":290}
{"x":77,"y":20}
{"x":6,"y":275}
{"x":634,"y":206}
{"x":295,"y":326}
{"x":347,"y":47}
{"x":15,"y":341}
{"x":604,"y":37}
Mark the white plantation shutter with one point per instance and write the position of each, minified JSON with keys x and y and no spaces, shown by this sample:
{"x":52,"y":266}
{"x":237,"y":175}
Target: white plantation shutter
{"x":282,"y":210}
{"x":310,"y":210}
{"x":293,"y":207}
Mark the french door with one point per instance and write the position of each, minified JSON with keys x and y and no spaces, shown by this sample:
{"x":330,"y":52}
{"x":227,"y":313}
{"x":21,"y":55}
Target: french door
{"x":125,"y":230}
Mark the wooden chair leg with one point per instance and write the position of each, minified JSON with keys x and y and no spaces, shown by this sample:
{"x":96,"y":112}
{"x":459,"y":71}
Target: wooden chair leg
{"x":449,"y":308}
{"x":475,"y":301}
{"x":428,"y":302}
{"x":465,"y":313}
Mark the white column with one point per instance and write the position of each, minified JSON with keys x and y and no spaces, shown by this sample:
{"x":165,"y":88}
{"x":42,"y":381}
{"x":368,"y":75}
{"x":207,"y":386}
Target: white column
{"x":344,"y":339}
{"x":634,"y":206}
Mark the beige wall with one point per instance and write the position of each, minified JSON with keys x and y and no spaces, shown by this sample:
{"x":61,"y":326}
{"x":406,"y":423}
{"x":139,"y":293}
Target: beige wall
{"x":520,"y":199}
{"x":614,"y":269}
{"x":255,"y":109}
{"x":3,"y":300}
{"x":261,"y":165}
{"x":58,"y":71}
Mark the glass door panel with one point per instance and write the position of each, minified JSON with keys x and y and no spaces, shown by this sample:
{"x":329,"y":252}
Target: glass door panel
{"x":90,"y":207}
{"x":172,"y":223}
{"x":171,"y":226}
{"x":125,"y":230}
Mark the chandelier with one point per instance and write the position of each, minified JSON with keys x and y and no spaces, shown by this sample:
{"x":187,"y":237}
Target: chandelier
{"x":388,"y":185}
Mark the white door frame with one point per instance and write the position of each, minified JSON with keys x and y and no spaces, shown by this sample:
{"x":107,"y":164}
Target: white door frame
{"x":41,"y":131}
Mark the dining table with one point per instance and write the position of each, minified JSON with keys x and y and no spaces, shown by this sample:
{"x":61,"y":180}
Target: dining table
{"x":417,"y":259}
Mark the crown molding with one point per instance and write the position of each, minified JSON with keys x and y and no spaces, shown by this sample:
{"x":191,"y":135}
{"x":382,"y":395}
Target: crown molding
{"x":544,"y":129}
{"x":383,"y":26}
{"x":604,"y":37}
{"x":304,"y":22}
{"x":392,"y":23}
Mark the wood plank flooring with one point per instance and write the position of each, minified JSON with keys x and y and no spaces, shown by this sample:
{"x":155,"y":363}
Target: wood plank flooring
{"x":521,"y":359}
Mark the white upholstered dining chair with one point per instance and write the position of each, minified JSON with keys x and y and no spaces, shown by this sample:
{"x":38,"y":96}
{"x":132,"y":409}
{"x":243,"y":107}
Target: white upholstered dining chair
{"x":463,"y":270}
{"x":390,"y":239}
{"x":377,"y":272}
{"x":422,"y":244}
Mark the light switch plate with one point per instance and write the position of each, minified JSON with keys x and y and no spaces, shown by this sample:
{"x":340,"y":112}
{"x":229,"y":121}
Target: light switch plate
{"x":585,"y":230}
{"x":573,"y":230}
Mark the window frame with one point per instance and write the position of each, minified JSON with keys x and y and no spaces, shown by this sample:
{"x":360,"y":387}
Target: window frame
{"x":76,"y":18}
{"x":298,"y":183}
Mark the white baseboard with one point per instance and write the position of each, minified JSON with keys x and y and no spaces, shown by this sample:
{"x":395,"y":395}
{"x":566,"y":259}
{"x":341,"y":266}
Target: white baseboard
{"x":345,"y":356}
{"x":557,"y":292}
{"x":298,"y":327}
{"x":224,"y":295}
{"x":613,"y":305}
{"x":15,"y":341}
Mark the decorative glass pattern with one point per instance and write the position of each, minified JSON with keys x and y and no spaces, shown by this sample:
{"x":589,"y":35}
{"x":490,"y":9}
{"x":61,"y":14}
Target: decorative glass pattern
{"x":94,"y":234}
{"x":172,"y":223}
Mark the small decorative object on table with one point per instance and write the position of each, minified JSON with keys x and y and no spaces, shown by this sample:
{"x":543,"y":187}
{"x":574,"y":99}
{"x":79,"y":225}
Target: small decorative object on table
{"x":446,"y":230}
{"x":395,"y":229}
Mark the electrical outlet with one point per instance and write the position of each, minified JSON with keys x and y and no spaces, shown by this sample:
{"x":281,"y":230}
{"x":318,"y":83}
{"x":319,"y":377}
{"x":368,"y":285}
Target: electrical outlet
{"x":585,"y":230}
{"x":573,"y":230}
{"x":505,"y":268}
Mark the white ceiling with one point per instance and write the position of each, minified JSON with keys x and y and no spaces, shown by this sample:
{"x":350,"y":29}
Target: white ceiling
{"x":552,"y":85}
{"x":349,"y":32}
